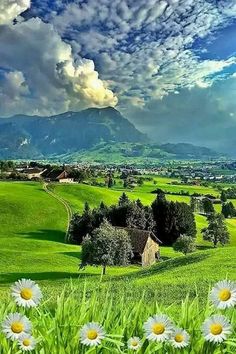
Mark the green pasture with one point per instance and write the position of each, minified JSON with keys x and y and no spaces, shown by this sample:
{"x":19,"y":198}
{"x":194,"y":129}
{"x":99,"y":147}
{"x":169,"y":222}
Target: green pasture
{"x":32,"y":245}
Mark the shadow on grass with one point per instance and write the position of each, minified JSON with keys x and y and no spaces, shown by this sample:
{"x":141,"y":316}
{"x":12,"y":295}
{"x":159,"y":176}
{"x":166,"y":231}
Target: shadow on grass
{"x":45,"y":235}
{"x":165,"y":266}
{"x":204,"y":247}
{"x":6,"y":278}
{"x":76,"y":255}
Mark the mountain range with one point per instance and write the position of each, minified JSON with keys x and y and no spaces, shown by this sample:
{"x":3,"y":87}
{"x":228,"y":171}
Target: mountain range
{"x":90,"y":133}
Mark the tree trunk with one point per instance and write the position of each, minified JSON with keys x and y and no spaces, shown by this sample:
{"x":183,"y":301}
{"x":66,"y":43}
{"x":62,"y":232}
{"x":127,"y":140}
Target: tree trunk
{"x":104,"y":270}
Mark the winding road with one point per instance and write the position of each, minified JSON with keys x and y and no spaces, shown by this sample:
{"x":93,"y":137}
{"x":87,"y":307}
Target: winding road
{"x":62,"y":201}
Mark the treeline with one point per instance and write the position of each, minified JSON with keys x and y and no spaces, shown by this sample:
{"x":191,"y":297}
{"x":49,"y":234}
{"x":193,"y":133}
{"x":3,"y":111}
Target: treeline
{"x":229,"y":193}
{"x":168,"y":220}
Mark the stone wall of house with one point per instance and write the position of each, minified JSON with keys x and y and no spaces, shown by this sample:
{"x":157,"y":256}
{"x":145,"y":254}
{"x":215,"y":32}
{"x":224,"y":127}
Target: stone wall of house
{"x":149,"y":254}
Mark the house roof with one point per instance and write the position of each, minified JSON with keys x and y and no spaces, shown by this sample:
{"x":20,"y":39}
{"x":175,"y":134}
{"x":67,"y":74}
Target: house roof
{"x":139,"y":238}
{"x":31,"y":170}
{"x":56,"y":174}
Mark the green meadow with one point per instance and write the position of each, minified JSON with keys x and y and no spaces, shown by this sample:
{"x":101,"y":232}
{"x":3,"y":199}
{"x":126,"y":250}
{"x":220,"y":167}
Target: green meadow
{"x":32,"y":235}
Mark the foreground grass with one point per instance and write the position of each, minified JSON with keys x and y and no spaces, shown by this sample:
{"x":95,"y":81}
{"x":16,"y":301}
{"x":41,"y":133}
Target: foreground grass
{"x":57,"y":326}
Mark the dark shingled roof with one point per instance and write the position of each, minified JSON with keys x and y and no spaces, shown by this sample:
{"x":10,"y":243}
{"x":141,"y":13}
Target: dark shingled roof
{"x":31,"y":170}
{"x":139,"y":238}
{"x":56,"y":174}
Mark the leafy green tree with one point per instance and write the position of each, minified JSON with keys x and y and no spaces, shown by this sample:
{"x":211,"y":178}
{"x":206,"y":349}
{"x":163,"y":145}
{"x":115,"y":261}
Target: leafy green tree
{"x":223,"y":196}
{"x":184,"y":244}
{"x":107,"y":246}
{"x":228,"y":210}
{"x":208,"y":206}
{"x":217,"y":231}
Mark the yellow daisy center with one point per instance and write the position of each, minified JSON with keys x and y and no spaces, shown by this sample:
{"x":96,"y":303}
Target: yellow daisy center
{"x":26,"y":294}
{"x":134,"y":343}
{"x":26,"y":342}
{"x":224,"y":294}
{"x":158,"y":328}
{"x":17,"y":327}
{"x":92,"y":334}
{"x":179,"y":338}
{"x":216,"y":329}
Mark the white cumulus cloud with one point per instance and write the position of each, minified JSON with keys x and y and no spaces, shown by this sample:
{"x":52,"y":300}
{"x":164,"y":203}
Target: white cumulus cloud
{"x":35,"y":57}
{"x":10,"y":9}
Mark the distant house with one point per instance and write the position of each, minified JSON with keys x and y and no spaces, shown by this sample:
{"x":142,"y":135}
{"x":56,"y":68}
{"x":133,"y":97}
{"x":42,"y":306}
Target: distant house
{"x":145,"y":245}
{"x":33,"y":172}
{"x":61,"y":176}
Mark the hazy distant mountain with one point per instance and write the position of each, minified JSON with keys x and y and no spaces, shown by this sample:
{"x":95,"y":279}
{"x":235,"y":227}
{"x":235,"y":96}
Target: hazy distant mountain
{"x":37,"y":137}
{"x":101,"y":135}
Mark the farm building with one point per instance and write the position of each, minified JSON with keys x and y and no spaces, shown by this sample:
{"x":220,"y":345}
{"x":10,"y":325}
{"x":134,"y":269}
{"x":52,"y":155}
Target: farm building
{"x":61,"y":176}
{"x":146,"y":246}
{"x":33,"y":172}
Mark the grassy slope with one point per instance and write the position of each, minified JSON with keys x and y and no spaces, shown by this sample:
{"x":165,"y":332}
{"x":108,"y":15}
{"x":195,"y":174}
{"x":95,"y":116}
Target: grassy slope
{"x":32,"y":234}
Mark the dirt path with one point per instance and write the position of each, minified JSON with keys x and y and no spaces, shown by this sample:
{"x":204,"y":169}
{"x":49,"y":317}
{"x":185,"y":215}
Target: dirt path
{"x":62,"y":201}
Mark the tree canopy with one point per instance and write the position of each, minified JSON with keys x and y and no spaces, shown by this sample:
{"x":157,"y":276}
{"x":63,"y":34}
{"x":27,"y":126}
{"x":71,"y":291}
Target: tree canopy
{"x":106,"y":246}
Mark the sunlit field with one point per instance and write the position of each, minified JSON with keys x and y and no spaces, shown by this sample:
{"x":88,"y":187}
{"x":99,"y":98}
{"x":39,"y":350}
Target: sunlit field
{"x":32,"y":234}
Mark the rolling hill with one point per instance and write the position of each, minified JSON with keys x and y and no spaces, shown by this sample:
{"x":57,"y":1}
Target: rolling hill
{"x":32,"y":245}
{"x":138,"y":153}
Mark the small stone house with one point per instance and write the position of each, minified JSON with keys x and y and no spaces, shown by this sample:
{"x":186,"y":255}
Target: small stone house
{"x":146,"y":246}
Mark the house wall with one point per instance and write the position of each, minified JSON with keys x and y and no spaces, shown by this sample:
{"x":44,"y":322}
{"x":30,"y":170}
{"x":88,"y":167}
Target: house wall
{"x":66,"y":180}
{"x":149,"y":254}
{"x":34,"y":175}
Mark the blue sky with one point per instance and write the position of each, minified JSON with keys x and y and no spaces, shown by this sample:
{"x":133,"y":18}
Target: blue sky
{"x":167,"y":65}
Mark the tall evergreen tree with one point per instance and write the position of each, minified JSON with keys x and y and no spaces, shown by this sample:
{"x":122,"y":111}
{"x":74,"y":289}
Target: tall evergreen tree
{"x":123,"y":199}
{"x":223,"y":196}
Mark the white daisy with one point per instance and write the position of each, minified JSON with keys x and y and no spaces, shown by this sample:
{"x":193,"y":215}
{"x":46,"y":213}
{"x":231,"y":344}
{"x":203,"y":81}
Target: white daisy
{"x":26,"y":293}
{"x":179,"y":338}
{"x":158,"y":328}
{"x":223,"y":295}
{"x":91,"y":334}
{"x":216,"y":328}
{"x":16,"y":325}
{"x":134,"y":343}
{"x":27,"y":343}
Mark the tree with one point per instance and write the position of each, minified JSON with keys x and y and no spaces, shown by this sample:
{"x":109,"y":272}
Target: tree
{"x":223,"y":196}
{"x":217,"y":231}
{"x":193,"y":204}
{"x":172,"y":220}
{"x":136,"y":216}
{"x":184,"y":244}
{"x":110,"y":181}
{"x":80,"y":226}
{"x":107,"y":246}
{"x":228,"y":210}
{"x":207,"y":205}
{"x":123,"y":199}
{"x":185,"y":220}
